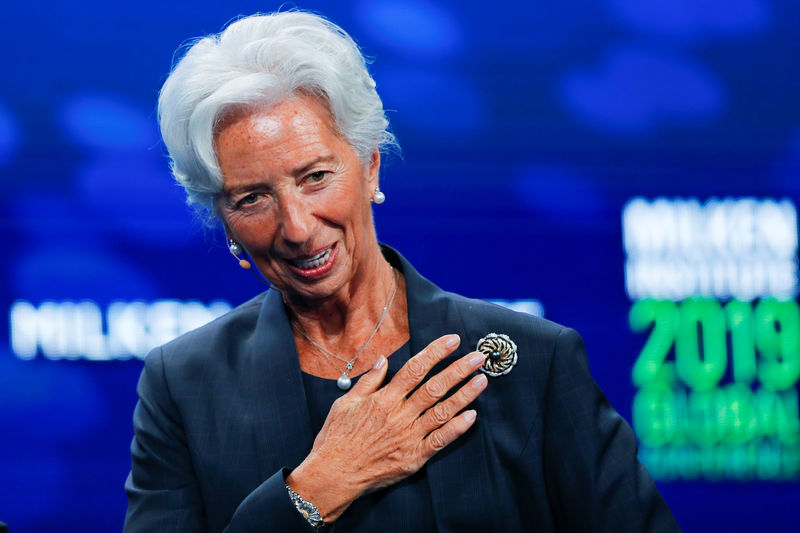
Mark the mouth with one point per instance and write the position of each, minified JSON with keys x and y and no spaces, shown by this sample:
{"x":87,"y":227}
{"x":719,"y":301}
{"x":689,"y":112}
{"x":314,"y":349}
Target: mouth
{"x":315,"y":266}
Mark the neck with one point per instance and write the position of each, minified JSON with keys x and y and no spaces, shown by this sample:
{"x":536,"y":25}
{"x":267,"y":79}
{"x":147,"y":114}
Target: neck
{"x":356,"y":307}
{"x":350,"y":326}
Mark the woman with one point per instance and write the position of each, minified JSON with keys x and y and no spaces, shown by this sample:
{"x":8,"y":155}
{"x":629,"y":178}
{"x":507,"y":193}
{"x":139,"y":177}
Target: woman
{"x":256,"y":422}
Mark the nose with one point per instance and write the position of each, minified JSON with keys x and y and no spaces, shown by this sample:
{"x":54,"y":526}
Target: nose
{"x":296,"y":220}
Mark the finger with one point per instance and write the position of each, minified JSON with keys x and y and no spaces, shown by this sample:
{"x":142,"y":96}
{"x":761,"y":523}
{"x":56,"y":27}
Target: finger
{"x":437,"y":387}
{"x":372,"y":380}
{"x":442,"y":412}
{"x":446,"y":434}
{"x":416,"y":368}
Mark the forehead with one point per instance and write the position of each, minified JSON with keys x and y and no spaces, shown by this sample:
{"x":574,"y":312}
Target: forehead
{"x":299,"y":126}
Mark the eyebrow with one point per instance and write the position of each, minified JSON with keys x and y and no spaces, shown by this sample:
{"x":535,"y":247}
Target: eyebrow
{"x":327,"y":158}
{"x":233,"y":191}
{"x":299,"y":171}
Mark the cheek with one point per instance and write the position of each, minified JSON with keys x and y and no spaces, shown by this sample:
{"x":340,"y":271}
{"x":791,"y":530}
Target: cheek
{"x":361,"y":214}
{"x":342,"y":204}
{"x":254,"y":232}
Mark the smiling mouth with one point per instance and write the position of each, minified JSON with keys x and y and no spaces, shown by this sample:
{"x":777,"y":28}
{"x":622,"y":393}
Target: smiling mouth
{"x":315,"y":261}
{"x":315,"y":267}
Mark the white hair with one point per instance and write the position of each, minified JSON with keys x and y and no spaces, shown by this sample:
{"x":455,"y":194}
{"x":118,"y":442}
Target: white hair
{"x":259,"y":61}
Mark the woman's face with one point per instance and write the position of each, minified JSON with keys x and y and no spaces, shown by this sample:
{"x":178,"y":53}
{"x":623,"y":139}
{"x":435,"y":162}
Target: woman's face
{"x":297,"y":197}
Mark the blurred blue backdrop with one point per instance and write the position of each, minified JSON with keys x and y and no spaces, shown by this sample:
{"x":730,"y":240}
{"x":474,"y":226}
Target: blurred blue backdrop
{"x":526,"y":127}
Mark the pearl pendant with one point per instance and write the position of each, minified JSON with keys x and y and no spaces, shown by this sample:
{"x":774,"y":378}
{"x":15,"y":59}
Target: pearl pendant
{"x":343,"y":382}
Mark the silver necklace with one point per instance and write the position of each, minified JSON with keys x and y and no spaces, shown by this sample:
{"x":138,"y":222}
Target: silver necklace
{"x":344,"y":382}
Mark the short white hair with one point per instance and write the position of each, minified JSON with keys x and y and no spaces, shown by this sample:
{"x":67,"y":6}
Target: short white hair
{"x":259,"y":61}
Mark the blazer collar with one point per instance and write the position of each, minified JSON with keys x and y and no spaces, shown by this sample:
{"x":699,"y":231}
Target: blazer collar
{"x":427,"y":309}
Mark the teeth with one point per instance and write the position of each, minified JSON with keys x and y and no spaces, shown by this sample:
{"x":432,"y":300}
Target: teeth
{"x":313,"y":262}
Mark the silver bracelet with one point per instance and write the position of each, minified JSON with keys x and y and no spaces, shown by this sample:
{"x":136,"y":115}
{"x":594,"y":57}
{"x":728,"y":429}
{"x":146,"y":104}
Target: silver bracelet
{"x":307,"y":509}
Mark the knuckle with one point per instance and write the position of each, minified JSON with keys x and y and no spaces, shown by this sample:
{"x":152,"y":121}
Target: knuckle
{"x":440,"y":413}
{"x":409,"y":469}
{"x":437,"y":350}
{"x":434,"y":389}
{"x":338,"y":403}
{"x":396,"y":458}
{"x":437,"y":440}
{"x":415,"y":368}
{"x":377,"y":404}
{"x":403,"y":464}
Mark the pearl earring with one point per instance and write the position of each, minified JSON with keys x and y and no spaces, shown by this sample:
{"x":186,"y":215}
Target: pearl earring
{"x":378,"y":197}
{"x":236,"y":249}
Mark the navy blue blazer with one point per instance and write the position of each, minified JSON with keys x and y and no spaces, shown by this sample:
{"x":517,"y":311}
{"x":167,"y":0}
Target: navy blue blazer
{"x":222,"y":417}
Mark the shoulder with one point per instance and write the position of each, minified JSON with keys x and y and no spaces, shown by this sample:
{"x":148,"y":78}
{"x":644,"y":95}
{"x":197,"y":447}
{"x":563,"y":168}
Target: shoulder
{"x":483,"y":316}
{"x":213,"y":339}
{"x":473,"y":318}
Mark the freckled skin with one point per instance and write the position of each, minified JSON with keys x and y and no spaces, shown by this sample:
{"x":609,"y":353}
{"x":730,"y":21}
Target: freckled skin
{"x":278,"y":207}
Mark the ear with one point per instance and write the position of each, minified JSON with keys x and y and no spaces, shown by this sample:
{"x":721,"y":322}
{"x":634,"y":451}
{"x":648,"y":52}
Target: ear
{"x":373,"y":171}
{"x":228,"y":233}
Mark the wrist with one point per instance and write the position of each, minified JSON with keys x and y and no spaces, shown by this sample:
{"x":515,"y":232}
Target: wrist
{"x":315,"y":485}
{"x":307,"y":509}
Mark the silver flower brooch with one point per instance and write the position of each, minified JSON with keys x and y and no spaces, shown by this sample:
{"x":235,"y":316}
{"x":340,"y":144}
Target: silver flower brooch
{"x":500,"y":352}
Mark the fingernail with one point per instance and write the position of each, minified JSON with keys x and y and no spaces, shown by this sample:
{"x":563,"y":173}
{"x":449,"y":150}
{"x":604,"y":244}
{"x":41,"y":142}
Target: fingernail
{"x":470,"y":415}
{"x":379,"y":363}
{"x":452,"y":341}
{"x":478,"y":381}
{"x":476,"y":358}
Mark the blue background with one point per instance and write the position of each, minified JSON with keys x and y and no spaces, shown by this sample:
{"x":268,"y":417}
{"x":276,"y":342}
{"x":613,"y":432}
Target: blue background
{"x":525,"y":128}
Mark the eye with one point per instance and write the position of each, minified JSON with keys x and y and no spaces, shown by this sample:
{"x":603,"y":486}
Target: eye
{"x":248,"y":199}
{"x":317,"y":177}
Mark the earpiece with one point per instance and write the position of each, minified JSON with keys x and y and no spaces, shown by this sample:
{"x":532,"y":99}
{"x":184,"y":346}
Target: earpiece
{"x":235,"y":249}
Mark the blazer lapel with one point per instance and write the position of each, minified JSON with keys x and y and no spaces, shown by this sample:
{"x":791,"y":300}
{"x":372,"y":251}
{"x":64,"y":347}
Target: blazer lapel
{"x":282,"y":423}
{"x":458,"y":476}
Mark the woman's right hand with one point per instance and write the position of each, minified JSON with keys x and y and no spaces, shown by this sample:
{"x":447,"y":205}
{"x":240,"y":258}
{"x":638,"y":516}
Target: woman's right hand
{"x":375,"y":436}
